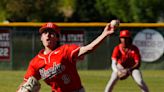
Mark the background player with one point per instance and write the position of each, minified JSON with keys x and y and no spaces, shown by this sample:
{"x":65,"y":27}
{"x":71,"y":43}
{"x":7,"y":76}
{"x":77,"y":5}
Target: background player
{"x":56,"y":64}
{"x":125,"y":62}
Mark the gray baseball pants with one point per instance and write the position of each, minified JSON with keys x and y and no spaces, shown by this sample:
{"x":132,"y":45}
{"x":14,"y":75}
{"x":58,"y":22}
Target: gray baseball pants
{"x":136,"y":75}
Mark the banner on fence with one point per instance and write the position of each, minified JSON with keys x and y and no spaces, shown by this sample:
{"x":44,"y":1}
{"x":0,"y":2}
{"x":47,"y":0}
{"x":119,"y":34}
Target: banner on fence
{"x":5,"y":45}
{"x":151,"y":44}
{"x":75,"y":37}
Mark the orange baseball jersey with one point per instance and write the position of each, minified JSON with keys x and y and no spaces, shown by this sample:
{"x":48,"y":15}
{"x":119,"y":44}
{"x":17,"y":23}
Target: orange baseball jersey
{"x":126,"y":59}
{"x":57,"y":69}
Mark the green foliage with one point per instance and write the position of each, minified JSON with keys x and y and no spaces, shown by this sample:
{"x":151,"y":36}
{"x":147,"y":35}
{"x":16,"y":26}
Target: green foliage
{"x":102,"y":7}
{"x":17,"y":10}
{"x":2,"y":15}
{"x":132,"y":10}
{"x":145,"y":10}
{"x":28,"y":10}
{"x":66,"y":8}
{"x":117,"y":8}
{"x":2,"y":10}
{"x":82,"y":10}
{"x":86,"y":11}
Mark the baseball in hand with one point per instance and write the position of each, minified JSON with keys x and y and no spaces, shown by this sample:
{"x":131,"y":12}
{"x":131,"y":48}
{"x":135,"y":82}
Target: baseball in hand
{"x":114,"y":23}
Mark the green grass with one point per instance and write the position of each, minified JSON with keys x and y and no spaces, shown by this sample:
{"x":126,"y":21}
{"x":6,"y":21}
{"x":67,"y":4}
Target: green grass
{"x":93,"y":81}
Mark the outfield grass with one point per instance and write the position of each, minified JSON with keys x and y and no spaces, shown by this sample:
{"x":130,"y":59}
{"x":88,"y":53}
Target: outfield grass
{"x":93,"y":81}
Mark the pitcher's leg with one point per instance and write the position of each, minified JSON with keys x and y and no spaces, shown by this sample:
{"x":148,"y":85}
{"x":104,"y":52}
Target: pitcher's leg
{"x":111,"y":82}
{"x":137,"y":76}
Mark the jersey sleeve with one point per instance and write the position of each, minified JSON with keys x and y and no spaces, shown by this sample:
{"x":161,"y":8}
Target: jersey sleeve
{"x":115,"y":53}
{"x":137,"y":56}
{"x":31,"y":71}
{"x":72,"y":52}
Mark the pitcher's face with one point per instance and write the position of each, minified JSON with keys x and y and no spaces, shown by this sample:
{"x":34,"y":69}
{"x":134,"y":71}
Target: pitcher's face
{"x":49,"y":39}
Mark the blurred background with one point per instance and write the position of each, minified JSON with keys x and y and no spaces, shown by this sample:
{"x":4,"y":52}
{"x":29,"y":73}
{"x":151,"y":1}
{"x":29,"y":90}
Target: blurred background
{"x":81,"y":21}
{"x":81,"y":10}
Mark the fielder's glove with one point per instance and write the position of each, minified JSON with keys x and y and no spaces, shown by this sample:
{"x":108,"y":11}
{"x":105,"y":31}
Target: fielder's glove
{"x":122,"y":74}
{"x":32,"y":85}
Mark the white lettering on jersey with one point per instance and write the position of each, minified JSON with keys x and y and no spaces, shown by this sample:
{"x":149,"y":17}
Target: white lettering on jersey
{"x":52,"y":71}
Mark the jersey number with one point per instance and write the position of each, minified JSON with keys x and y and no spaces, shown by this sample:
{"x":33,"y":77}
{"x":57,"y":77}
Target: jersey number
{"x":66,"y":79}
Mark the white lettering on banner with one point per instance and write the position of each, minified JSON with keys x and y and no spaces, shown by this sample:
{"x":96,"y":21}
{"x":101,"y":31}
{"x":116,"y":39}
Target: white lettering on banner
{"x":75,"y":37}
{"x":150,"y":43}
{"x":4,"y":52}
{"x":4,"y":43}
{"x":63,"y":38}
{"x":72,"y":38}
{"x":4,"y":36}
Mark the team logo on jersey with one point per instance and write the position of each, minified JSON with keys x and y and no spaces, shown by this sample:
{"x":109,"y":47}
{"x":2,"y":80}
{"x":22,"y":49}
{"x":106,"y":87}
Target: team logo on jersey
{"x":56,"y":52}
{"x":52,"y":71}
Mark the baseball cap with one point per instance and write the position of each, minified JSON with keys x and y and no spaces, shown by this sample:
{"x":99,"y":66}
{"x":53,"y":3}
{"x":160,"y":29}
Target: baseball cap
{"x":125,"y":33}
{"x":51,"y":26}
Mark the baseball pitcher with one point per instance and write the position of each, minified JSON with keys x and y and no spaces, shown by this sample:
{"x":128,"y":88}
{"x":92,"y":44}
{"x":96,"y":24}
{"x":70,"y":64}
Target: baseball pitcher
{"x":56,"y":64}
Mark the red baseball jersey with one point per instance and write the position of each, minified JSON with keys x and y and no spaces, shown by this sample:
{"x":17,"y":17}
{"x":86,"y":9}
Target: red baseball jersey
{"x":126,"y":59}
{"x":57,"y":69}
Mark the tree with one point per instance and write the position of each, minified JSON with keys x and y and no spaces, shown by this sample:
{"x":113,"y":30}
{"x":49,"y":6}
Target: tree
{"x":132,"y":10}
{"x":28,"y":10}
{"x":86,"y":11}
{"x":145,"y":10}
{"x":2,"y":10}
{"x":17,"y":10}
{"x":82,"y":10}
{"x":66,"y":8}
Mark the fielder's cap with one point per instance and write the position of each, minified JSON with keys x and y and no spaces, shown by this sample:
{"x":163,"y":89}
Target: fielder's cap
{"x":125,"y":33}
{"x":51,"y":26}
